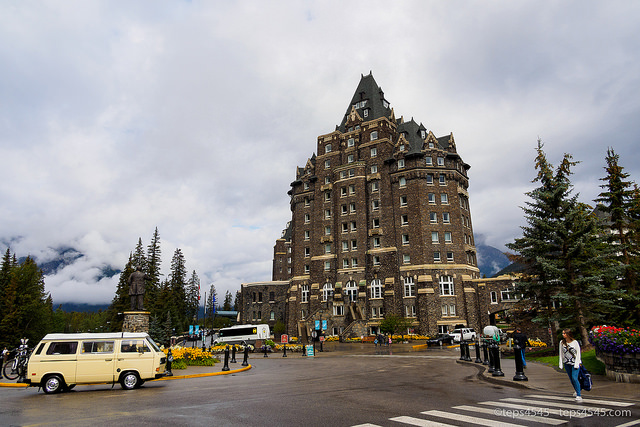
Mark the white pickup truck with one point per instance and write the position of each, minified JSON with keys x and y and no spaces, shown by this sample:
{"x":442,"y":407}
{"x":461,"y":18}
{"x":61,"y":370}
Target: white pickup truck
{"x":467,"y":334}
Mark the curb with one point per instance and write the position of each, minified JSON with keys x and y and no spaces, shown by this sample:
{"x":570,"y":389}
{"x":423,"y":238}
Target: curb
{"x":174,"y":377}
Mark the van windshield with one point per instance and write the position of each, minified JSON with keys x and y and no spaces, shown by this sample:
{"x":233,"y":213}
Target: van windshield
{"x":153,"y":344}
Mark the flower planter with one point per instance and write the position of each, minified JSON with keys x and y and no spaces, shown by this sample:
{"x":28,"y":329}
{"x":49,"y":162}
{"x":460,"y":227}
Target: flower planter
{"x":624,"y":368}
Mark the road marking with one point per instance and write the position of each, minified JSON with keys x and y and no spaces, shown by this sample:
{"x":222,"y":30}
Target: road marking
{"x":629,"y":424}
{"x":584,"y":400}
{"x":468,"y":419}
{"x":542,"y":420}
{"x":529,"y":407}
{"x":577,"y":407}
{"x":419,"y":422}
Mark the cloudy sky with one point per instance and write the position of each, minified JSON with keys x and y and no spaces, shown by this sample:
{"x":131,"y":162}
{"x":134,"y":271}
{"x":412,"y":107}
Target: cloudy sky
{"x":117,"y":117}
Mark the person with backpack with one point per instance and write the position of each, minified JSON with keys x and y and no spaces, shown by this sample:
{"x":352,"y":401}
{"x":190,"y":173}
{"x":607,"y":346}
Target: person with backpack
{"x":570,"y":359}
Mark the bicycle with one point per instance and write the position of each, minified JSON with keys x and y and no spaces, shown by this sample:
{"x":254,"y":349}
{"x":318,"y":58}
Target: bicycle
{"x":17,"y":367}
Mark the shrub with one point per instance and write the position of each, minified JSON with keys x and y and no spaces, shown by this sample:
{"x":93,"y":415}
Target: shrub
{"x":615,"y":340}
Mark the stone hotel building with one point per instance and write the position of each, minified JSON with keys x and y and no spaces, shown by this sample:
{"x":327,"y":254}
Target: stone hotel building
{"x":381,"y":225}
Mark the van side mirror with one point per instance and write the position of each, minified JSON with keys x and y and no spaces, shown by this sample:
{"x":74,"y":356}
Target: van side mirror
{"x":141,"y":349}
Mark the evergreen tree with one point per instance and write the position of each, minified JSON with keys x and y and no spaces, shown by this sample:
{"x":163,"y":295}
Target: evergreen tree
{"x":121,"y":301}
{"x":564,"y":252}
{"x":193,"y":296}
{"x":237,"y":302}
{"x":617,"y":200}
{"x":177,"y":285}
{"x":152,"y":286}
{"x":5,"y":277}
{"x":212,"y":299}
{"x":227,"y":301}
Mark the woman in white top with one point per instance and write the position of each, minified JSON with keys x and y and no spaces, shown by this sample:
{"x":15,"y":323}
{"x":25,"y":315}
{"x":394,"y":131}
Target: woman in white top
{"x":570,"y":359}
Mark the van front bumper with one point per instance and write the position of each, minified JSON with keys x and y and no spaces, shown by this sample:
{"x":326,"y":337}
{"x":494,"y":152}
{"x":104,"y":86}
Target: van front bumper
{"x":160,"y":375}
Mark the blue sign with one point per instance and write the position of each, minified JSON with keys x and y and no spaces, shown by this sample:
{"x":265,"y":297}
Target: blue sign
{"x":317,"y":322}
{"x":310,"y":350}
{"x":190,"y":329}
{"x":197,"y":329}
{"x":324,"y":325}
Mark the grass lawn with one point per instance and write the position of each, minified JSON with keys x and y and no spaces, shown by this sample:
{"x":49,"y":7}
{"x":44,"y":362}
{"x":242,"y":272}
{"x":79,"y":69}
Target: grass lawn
{"x":589,"y":361}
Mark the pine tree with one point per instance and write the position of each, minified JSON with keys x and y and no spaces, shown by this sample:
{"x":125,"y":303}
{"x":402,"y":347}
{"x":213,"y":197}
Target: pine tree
{"x":152,"y":286}
{"x":617,"y":200}
{"x":212,"y":299}
{"x":121,"y":301}
{"x":193,"y":296}
{"x":227,"y":301}
{"x":564,"y":252}
{"x":177,"y":285}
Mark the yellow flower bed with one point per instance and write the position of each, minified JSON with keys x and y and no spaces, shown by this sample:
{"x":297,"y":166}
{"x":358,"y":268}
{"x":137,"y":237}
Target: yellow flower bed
{"x":193,"y":356}
{"x":537,"y":343}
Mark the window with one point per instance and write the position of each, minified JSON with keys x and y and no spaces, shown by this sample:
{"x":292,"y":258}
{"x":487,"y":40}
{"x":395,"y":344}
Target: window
{"x":406,"y":259}
{"x":327,"y":266}
{"x":259,"y":296}
{"x":97,"y":347}
{"x":272,"y":315}
{"x":445,"y":309}
{"x":434,"y":237}
{"x":432,"y":198}
{"x":373,"y":136}
{"x":375,"y":205}
{"x":327,"y":164}
{"x":327,"y":196}
{"x":436,"y":256}
{"x":327,"y":213}
{"x":410,"y":311}
{"x":403,"y":200}
{"x":452,"y":309}
{"x":343,"y":209}
{"x":351,"y":142}
{"x":423,"y":134}
{"x":442,"y":180}
{"x":305,"y":293}
{"x":327,"y":248}
{"x":366,"y":112}
{"x":350,"y":158}
{"x":345,"y":263}
{"x":343,"y":174}
{"x":306,"y":185}
{"x":402,"y":182}
{"x":429,"y":179}
{"x":400,"y":163}
{"x":307,"y":252}
{"x":446,"y":285}
{"x":306,"y":268}
{"x":440,"y":161}
{"x":345,"y":246}
{"x":374,"y":152}
{"x":405,"y":239}
{"x":307,"y":218}
{"x":327,"y":148}
{"x":352,"y":172}
{"x":374,"y":168}
{"x":272,"y":296}
{"x":376,"y":260}
{"x":494,"y":297}
{"x":449,"y":256}
{"x":351,"y":290}
{"x":352,"y":207}
{"x":444,"y":198}
{"x":353,"y":226}
{"x":338,"y":310}
{"x":354,"y":245}
{"x":343,"y":192}
{"x":446,"y":219}
{"x":447,"y":237}
{"x":327,"y":179}
{"x":354,"y":262}
{"x":429,"y":161}
{"x":133,"y":346}
{"x":352,"y":190}
{"x":327,"y":291}
{"x":307,"y":202}
{"x":307,"y":234}
{"x":376,"y":242}
{"x":433,"y":217}
{"x":508,"y":295}
{"x":327,"y":230}
{"x":409,"y":287}
{"x":375,"y":186}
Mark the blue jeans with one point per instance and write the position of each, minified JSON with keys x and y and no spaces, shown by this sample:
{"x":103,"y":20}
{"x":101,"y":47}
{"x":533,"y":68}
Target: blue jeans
{"x":524,"y":362}
{"x":573,"y":376}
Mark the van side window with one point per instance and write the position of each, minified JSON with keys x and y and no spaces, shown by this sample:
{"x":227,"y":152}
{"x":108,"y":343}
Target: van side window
{"x":133,"y":346}
{"x":40,"y":347}
{"x":63,"y":347}
{"x":97,"y":347}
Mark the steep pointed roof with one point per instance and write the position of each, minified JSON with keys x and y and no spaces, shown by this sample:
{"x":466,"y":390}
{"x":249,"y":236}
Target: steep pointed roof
{"x":368,"y":96}
{"x":413,"y":133}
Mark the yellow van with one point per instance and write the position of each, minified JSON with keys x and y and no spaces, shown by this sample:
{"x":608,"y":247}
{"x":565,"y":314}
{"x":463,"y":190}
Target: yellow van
{"x":60,"y":361}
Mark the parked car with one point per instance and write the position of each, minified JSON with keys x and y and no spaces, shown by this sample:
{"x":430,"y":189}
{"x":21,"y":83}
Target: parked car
{"x":467,"y":334}
{"x":440,"y":339}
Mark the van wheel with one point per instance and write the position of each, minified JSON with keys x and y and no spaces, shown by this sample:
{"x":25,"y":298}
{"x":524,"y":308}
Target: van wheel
{"x":53,"y":384}
{"x":130,"y":380}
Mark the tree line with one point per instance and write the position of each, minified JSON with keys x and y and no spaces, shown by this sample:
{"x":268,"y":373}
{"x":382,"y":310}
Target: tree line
{"x":580,"y":262}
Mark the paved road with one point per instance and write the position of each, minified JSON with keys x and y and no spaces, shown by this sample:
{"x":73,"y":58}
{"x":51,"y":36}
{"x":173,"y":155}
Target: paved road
{"x":334,"y":390}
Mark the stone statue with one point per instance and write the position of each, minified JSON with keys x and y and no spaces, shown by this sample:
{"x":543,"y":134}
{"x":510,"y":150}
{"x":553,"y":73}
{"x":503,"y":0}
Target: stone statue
{"x":136,"y":289}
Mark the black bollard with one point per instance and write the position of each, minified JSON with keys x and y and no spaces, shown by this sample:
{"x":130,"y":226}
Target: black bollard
{"x":467,"y":352}
{"x":168,"y":372}
{"x":519,"y":376}
{"x":265,"y":350}
{"x":246,"y":356}
{"x":462,"y":349}
{"x":233,"y":354}
{"x":477,"y":345}
{"x":497,"y":372}
{"x":226,"y":359}
{"x":485,"y":353}
{"x":491,"y":361}
{"x":284,"y":350}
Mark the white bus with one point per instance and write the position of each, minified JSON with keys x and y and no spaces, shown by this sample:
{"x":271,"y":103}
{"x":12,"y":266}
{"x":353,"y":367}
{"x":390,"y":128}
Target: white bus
{"x":243,"y":333}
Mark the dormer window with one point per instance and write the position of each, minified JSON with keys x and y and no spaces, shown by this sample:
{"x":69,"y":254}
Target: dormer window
{"x":327,"y":148}
{"x":385,"y":104}
{"x":351,"y":142}
{"x":366,"y":113}
{"x":373,"y":136}
{"x":423,"y":134}
{"x":401,"y":147}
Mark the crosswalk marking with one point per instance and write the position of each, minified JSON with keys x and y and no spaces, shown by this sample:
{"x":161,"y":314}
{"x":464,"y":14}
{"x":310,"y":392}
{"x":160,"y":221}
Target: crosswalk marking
{"x":538,"y":419}
{"x":630,"y":423}
{"x":468,"y":419}
{"x":419,"y":422}
{"x":584,"y":400}
{"x":531,"y":407}
{"x":577,"y":407}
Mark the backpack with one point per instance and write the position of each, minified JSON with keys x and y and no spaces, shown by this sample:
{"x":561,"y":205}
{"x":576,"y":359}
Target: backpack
{"x":584,"y":378}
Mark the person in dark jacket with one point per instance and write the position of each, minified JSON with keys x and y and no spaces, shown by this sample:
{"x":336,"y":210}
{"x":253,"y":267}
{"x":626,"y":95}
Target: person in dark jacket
{"x":522,"y":341}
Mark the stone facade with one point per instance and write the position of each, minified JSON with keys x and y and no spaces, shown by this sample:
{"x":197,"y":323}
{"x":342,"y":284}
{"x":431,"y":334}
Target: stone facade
{"x":136,"y":321}
{"x":263,"y":302}
{"x":380,"y":225}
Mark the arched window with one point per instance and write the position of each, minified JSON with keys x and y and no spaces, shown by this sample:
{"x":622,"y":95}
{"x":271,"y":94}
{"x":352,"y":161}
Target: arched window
{"x":327,"y":291}
{"x":351,"y":290}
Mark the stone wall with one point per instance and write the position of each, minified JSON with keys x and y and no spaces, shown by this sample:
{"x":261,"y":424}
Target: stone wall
{"x":136,"y":321}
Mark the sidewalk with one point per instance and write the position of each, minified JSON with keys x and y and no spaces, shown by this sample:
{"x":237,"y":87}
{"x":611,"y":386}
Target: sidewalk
{"x":550,"y":379}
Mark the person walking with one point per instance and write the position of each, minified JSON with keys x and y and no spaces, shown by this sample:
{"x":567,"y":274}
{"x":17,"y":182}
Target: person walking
{"x":570,"y":359}
{"x":5,"y":356}
{"x":523,"y":342}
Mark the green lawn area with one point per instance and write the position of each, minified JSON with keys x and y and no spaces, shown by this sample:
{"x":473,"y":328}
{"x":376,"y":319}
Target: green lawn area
{"x":589,"y":361}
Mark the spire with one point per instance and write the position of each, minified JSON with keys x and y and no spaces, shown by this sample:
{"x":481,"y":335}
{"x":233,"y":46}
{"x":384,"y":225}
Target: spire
{"x":368,"y":101}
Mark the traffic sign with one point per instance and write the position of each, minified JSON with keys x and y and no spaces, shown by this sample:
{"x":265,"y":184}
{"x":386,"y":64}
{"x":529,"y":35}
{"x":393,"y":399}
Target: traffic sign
{"x":284,"y":339}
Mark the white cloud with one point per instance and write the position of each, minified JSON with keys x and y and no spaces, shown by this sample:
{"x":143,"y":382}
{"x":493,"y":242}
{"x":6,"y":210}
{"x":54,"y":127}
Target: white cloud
{"x":192,"y":116}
